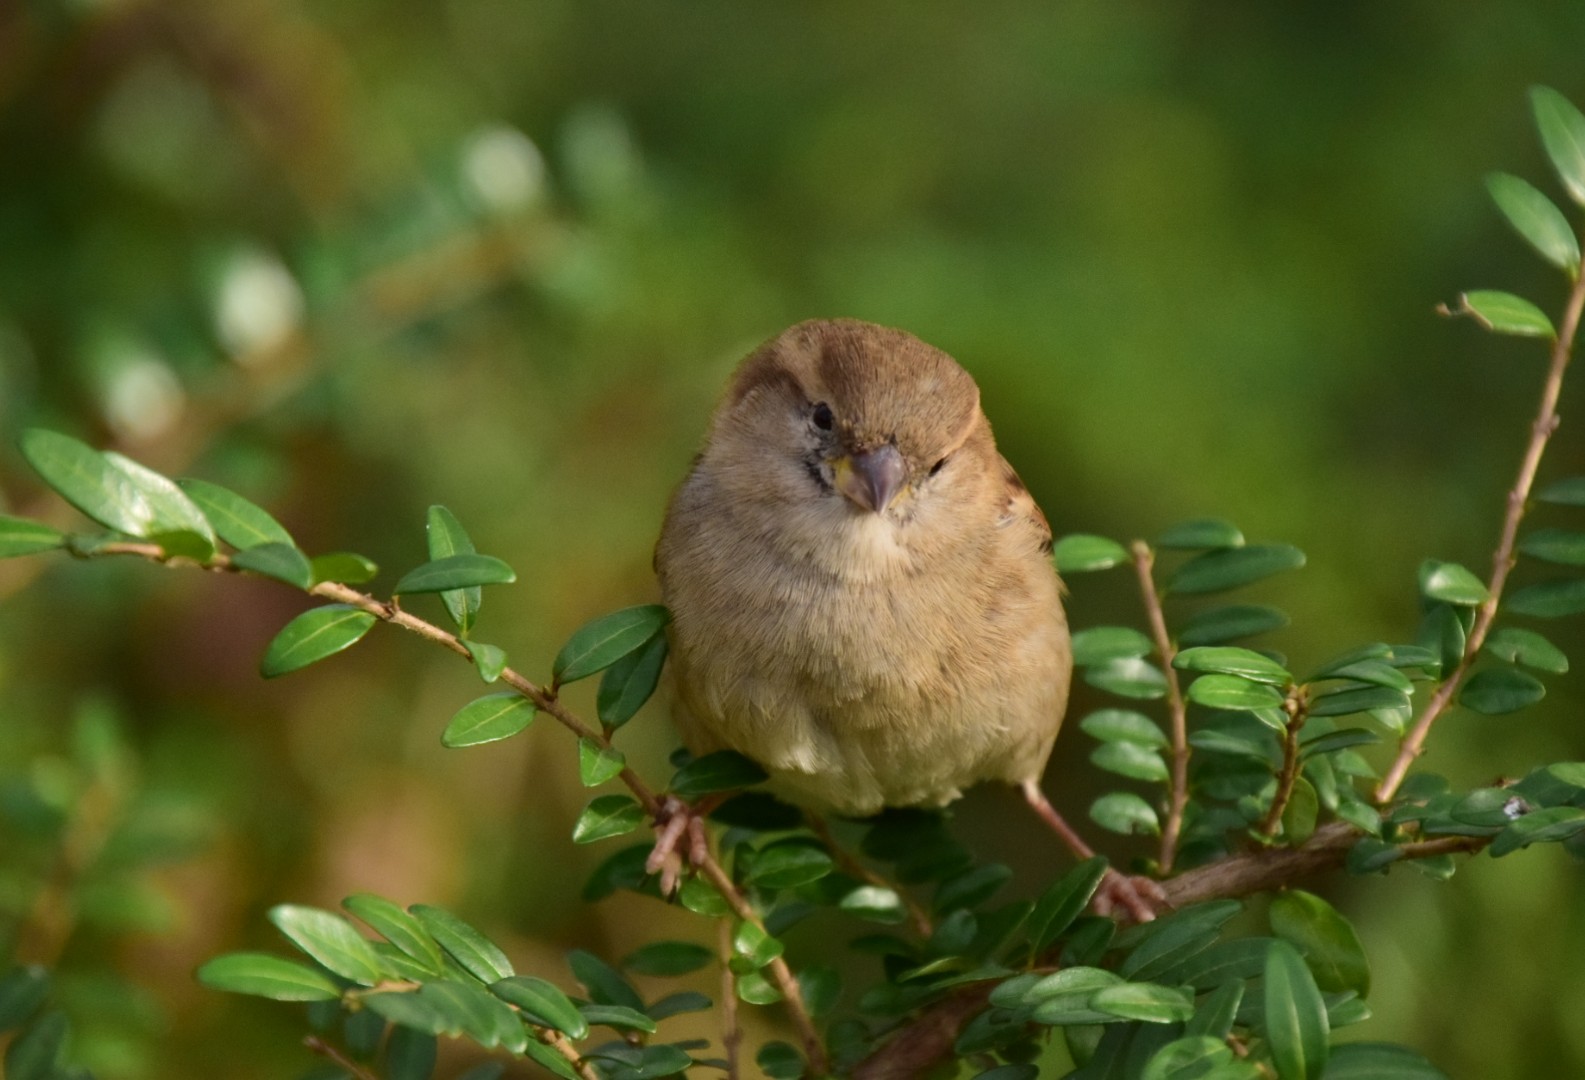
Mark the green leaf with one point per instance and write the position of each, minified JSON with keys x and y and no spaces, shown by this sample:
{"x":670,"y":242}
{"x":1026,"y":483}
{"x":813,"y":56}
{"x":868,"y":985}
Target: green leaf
{"x":724,"y":770}
{"x":604,"y":983}
{"x":542,"y":1004}
{"x":1501,"y":690}
{"x":1063,"y":902}
{"x":1215,"y":1018}
{"x":1548,"y":599}
{"x":446,"y":537}
{"x":87,"y":480}
{"x":971,"y":888}
{"x":1570,"y":491}
{"x":1144,"y":1001}
{"x":1539,"y":826}
{"x":1081,"y":553}
{"x":1452,"y":584}
{"x":1131,"y":760}
{"x":1569,"y":772}
{"x":1231,"y":660}
{"x":1099,"y":644}
{"x":1233,"y":692}
{"x":410,"y":1054}
{"x":820,"y":988}
{"x":19,"y":536}
{"x":1563,"y":546}
{"x":1123,"y":725}
{"x":263,"y":975}
{"x":1131,"y":677}
{"x":347,"y":567}
{"x":754,"y":946}
{"x":1189,"y":1058}
{"x":1347,"y":701}
{"x":35,"y":1054}
{"x":780,"y":1061}
{"x":331,"y":940}
{"x":315,"y":634}
{"x":283,"y":562}
{"x":1217,"y":571}
{"x":1505,"y":313}
{"x":607,"y":816}
{"x":478,"y":955}
{"x":1298,"y":817}
{"x":22,"y":990}
{"x":1374,"y":672}
{"x":489,"y":660}
{"x":1379,"y":1061}
{"x":875,"y":903}
{"x":455,"y":572}
{"x":787,"y":864}
{"x":600,"y":643}
{"x":489,"y":719}
{"x":239,"y":522}
{"x":1295,"y":1020}
{"x":1201,"y":533}
{"x":1326,"y":940}
{"x":597,"y":763}
{"x":619,"y":1017}
{"x":1217,"y":625}
{"x":1536,"y":219}
{"x":398,"y":927}
{"x":667,"y":958}
{"x":629,"y":683}
{"x":169,"y":509}
{"x":1563,"y":134}
{"x":1126,"y":813}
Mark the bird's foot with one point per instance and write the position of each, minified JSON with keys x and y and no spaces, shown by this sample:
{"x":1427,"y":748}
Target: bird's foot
{"x":1142,"y":898}
{"x":675,"y":822}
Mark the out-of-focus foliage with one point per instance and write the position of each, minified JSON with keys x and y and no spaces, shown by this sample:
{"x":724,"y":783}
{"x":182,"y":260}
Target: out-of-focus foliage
{"x":356,"y":259}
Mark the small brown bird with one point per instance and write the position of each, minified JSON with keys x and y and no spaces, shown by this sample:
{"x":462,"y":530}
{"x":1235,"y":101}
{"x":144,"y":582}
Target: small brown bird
{"x":862,"y":595}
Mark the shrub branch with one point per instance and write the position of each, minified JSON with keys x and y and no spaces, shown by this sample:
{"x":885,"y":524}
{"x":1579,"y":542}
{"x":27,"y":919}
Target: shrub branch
{"x":1178,"y":784}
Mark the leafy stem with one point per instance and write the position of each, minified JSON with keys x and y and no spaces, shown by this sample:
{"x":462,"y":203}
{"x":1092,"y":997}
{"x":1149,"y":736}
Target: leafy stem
{"x":1293,"y":705}
{"x":1178,"y":783}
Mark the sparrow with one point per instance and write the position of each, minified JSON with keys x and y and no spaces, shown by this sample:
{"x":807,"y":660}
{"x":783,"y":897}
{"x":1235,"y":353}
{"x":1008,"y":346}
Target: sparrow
{"x":862,"y":594}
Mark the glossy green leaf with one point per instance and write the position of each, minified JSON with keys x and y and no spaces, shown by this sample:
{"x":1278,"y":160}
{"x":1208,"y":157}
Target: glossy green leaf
{"x":1563,"y":546}
{"x":1216,"y":1015}
{"x":22,"y":990}
{"x":1230,"y":568}
{"x":1295,"y":1020}
{"x":1563,"y":134}
{"x":618,"y":1017}
{"x":1231,"y":660}
{"x":1494,"y":691}
{"x":168,"y":508}
{"x":1374,"y":672}
{"x":1081,"y":553}
{"x":36,"y":1052}
{"x":283,"y":562}
{"x":605,"y":984}
{"x":239,"y":522}
{"x":263,"y":975}
{"x":19,"y":536}
{"x":542,"y":1004}
{"x":1222,"y":964}
{"x":724,"y":770}
{"x":1536,"y":219}
{"x":455,"y":572}
{"x":754,"y":947}
{"x":1099,"y":644}
{"x":445,"y":537}
{"x":1379,"y":1061}
{"x":1123,"y":725}
{"x":478,"y":955}
{"x":1325,"y":939}
{"x":1230,"y":622}
{"x":1131,"y":677}
{"x":1346,"y":702}
{"x":600,"y":643}
{"x":1548,"y":599}
{"x":87,"y":480}
{"x":666,"y":959}
{"x":488,"y":660}
{"x":1299,"y":815}
{"x":347,"y":567}
{"x":1233,"y":692}
{"x":1189,"y":1058}
{"x":607,"y":816}
{"x":630,"y":682}
{"x":1451,"y":584}
{"x":398,"y":927}
{"x":875,"y":903}
{"x":1550,"y":825}
{"x":1570,"y":491}
{"x":1333,"y":741}
{"x":597,"y":763}
{"x":1144,"y":1001}
{"x":787,"y":864}
{"x":488,"y":719}
{"x":1201,"y":533}
{"x":1568,"y":772}
{"x":1131,"y":760}
{"x":315,"y":634}
{"x":820,"y":987}
{"x":331,"y":940}
{"x":1126,"y":813}
{"x":1505,"y":313}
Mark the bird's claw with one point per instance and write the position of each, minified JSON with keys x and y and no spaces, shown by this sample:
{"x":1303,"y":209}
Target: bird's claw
{"x":675,"y":821}
{"x":1142,"y":898}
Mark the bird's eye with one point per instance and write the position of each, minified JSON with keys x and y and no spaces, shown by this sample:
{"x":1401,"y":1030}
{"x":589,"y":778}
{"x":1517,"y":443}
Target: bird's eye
{"x":938,"y":466}
{"x":822,"y":417}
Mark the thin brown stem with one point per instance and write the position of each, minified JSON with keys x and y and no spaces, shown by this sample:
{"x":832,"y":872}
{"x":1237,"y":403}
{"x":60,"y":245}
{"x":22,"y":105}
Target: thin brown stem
{"x":1502,"y":561}
{"x":854,"y":868}
{"x":332,"y":1054}
{"x":731,"y":1034}
{"x":1289,"y":774}
{"x":1177,"y":710}
{"x":559,"y":1043}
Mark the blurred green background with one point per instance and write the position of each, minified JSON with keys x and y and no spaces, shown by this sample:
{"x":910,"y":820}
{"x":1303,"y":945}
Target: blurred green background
{"x":354,"y":257}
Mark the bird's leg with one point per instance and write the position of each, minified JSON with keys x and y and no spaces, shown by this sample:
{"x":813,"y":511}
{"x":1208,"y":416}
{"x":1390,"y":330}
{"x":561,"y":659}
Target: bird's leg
{"x":675,"y":820}
{"x":1141,"y":897}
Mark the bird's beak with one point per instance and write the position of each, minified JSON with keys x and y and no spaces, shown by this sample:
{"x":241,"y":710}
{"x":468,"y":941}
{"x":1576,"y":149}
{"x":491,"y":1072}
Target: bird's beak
{"x":872,"y":479}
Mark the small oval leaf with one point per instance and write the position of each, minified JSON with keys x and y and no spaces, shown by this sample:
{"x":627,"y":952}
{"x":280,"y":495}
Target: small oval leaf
{"x":1452,"y":584}
{"x":1495,"y":691}
{"x":19,"y":536}
{"x":455,"y":572}
{"x":630,"y":682}
{"x":1536,"y":219}
{"x":283,"y":562}
{"x":1230,"y":568}
{"x":1200,"y":534}
{"x":446,"y":537}
{"x":542,"y":1003}
{"x":488,"y":719}
{"x":266,"y":976}
{"x":1126,"y":813}
{"x":601,"y":642}
{"x":331,"y":940}
{"x":1563,"y":134}
{"x":724,"y":770}
{"x":1505,"y":313}
{"x":239,"y":522}
{"x":315,"y":634}
{"x":607,"y":816}
{"x":1081,"y":553}
{"x":478,"y":955}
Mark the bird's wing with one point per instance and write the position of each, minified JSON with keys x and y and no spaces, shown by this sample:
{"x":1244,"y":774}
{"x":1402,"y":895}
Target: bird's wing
{"x":1021,"y":511}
